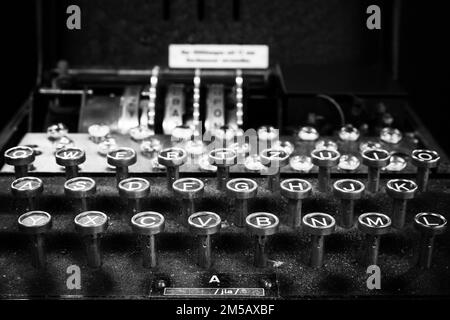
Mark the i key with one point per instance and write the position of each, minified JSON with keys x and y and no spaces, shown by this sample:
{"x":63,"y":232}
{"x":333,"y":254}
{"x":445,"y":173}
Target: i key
{"x":424,"y":160}
{"x":400,"y":190}
{"x":429,"y":225}
{"x":373,"y":225}
{"x":133,"y":190}
{"x":295,"y":190}
{"x":375,"y":159}
{"x":28,"y":187}
{"x":172,"y":159}
{"x":261,"y":225}
{"x":318,"y":225}
{"x":203,"y":224}
{"x":70,"y":158}
{"x":188,"y":189}
{"x":20,"y":157}
{"x":121,"y":158}
{"x":241,"y":189}
{"x":348,"y":190}
{"x":146,"y":225}
{"x":223,"y":159}
{"x":81,"y":188}
{"x":325,"y":160}
{"x":274,"y":159}
{"x":91,"y":225}
{"x":36,"y":224}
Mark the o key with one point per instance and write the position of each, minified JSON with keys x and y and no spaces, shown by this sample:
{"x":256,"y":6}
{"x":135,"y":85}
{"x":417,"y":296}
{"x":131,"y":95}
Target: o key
{"x":204,"y":224}
{"x":20,"y":157}
{"x":429,"y":225}
{"x":172,"y":159}
{"x":147,"y":224}
{"x":424,"y":160}
{"x":318,"y":225}
{"x":261,"y":225}
{"x":375,"y":159}
{"x":70,"y":158}
{"x":325,"y":160}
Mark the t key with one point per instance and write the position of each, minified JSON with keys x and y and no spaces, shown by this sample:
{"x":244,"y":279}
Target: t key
{"x":223,"y":159}
{"x":424,"y":160}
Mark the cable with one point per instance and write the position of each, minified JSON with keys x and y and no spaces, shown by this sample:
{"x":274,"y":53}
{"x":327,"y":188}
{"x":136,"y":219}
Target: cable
{"x":336,"y":105}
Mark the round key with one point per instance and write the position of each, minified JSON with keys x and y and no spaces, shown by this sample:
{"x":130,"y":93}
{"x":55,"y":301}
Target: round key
{"x":70,"y":158}
{"x":318,"y":225}
{"x":56,"y":131}
{"x":172,"y":159}
{"x":400,"y":190}
{"x":424,"y":160}
{"x":429,"y":225}
{"x":267,"y":136}
{"x":35,"y":224}
{"x":261,"y":225}
{"x":373,"y":225}
{"x":121,"y":158}
{"x":274,"y":159}
{"x":133,"y":190}
{"x":241,"y":190}
{"x":147,"y":224}
{"x":295,"y":190}
{"x":20,"y":157}
{"x":91,"y":225}
{"x":347,"y":191}
{"x":81,"y":188}
{"x":98,"y":132}
{"x":223,"y":159}
{"x":29,"y":188}
{"x":188,"y":189}
{"x":204,"y":224}
{"x":325,"y":160}
{"x":375,"y":159}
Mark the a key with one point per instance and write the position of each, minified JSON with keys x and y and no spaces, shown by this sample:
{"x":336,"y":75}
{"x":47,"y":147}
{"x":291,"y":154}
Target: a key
{"x":223,"y":159}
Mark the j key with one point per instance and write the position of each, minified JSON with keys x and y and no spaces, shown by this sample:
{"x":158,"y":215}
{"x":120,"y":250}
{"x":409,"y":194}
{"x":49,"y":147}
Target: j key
{"x":429,"y":225}
{"x":188,"y":189}
{"x":203,"y":224}
{"x":172,"y":159}
{"x":375,"y":159}
{"x":20,"y":157}
{"x":70,"y":158}
{"x":91,"y":225}
{"x":325,"y":160}
{"x":36,"y":224}
{"x":223,"y":159}
{"x":400,"y":190}
{"x":295,"y":190}
{"x":121,"y":158}
{"x":274,"y":159}
{"x":146,"y":225}
{"x":318,"y":225}
{"x":424,"y":160}
{"x":28,"y":187}
{"x":133,"y":190}
{"x":81,"y":188}
{"x":348,"y":190}
{"x":261,"y":225}
{"x":373,"y":225}
{"x":241,"y":189}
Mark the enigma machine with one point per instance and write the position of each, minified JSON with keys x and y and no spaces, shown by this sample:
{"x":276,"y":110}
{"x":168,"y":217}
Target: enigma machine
{"x":214,"y":149}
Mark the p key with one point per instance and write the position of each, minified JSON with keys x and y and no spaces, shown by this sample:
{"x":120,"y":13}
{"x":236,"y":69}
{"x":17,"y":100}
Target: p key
{"x":223,"y":159}
{"x":204,"y":224}
{"x":374,"y":159}
{"x":188,"y":189}
{"x":400,"y":190}
{"x":347,"y":190}
{"x":20,"y":157}
{"x":325,"y":160}
{"x":241,"y":189}
{"x":318,"y":225}
{"x":424,"y":160}
{"x":373,"y":225}
{"x":28,"y":187}
{"x":261,"y":225}
{"x":70,"y":158}
{"x":274,"y":159}
{"x":172,"y":159}
{"x":295,"y":190}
